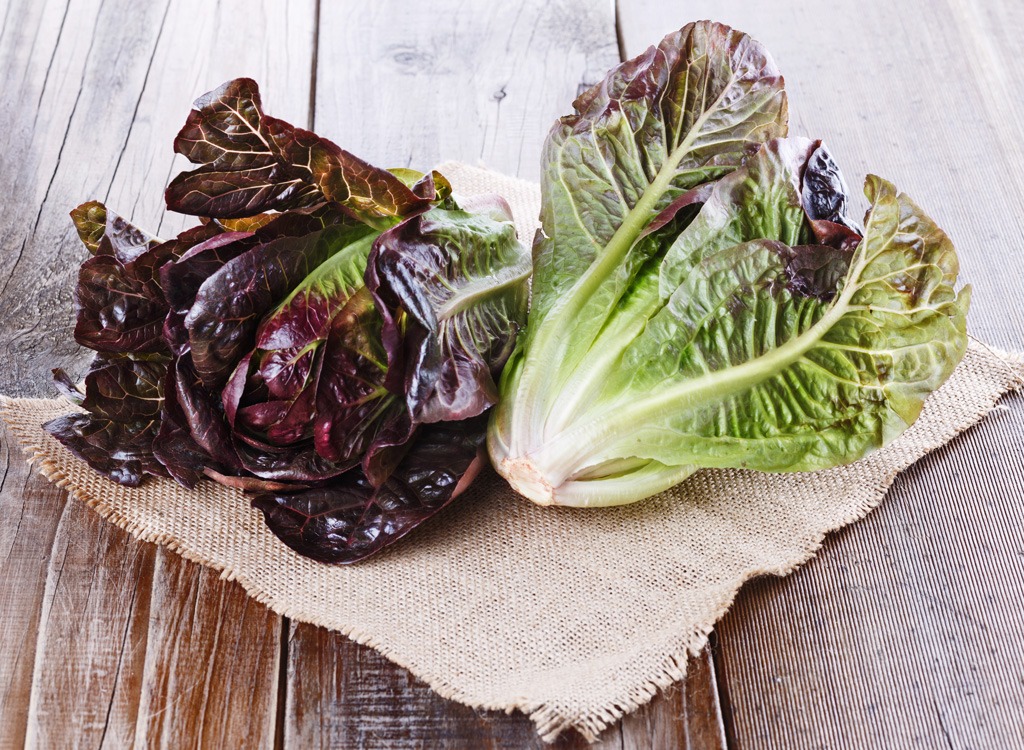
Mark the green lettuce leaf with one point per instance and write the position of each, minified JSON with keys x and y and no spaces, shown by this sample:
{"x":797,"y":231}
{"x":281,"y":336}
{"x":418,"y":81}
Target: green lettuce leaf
{"x":620,"y":179}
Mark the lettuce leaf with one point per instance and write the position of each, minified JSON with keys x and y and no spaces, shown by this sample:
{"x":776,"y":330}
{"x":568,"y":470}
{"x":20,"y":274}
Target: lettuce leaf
{"x":251,"y":163}
{"x":452,"y":286}
{"x":351,"y":518}
{"x":120,"y":307}
{"x":123,"y":400}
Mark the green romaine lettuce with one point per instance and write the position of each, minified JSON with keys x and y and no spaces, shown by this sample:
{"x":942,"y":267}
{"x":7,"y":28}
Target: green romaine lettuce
{"x":745,"y":322}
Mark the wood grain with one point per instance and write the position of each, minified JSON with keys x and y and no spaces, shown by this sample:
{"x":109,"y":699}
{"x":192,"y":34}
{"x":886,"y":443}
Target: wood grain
{"x":211,"y":663}
{"x":67,"y":111}
{"x":905,"y":631}
{"x":31,"y":509}
{"x":91,"y":634}
{"x":342,"y":694}
{"x":128,"y":654}
{"x":687,"y":716}
{"x":412,"y":84}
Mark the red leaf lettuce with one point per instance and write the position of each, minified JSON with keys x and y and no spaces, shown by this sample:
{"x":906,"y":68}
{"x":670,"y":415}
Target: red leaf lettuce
{"x":293,"y":343}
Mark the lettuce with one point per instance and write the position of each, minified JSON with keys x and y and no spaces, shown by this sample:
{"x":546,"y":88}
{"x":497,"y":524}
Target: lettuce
{"x":703,"y":299}
{"x":328,"y":337}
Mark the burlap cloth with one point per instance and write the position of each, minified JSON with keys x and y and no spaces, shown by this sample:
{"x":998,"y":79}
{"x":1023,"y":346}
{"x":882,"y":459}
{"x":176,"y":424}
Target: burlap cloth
{"x":573,"y":616}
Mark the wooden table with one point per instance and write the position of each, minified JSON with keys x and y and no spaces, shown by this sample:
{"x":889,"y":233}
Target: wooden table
{"x":906,"y":631}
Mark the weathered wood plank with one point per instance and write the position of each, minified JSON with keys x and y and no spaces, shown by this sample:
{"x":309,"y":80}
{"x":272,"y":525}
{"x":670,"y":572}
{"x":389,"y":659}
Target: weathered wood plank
{"x":342,"y":694}
{"x":32,"y":509}
{"x":405,"y":84}
{"x":128,"y":654}
{"x":44,"y":54}
{"x":119,"y":641}
{"x":68,"y":105}
{"x":211,"y":663}
{"x":905,"y":631}
{"x":91,"y":635}
{"x":687,"y":716}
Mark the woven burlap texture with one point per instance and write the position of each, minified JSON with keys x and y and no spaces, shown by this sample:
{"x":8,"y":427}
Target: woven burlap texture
{"x":573,"y":616}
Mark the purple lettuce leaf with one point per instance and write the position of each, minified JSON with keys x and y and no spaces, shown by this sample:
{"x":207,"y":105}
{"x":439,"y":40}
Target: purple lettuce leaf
{"x":229,"y":305}
{"x":452,"y":286}
{"x":357,"y":415}
{"x":105,"y":233}
{"x":182,"y":279}
{"x":350,"y":519}
{"x":179,"y":454}
{"x":124,"y":398}
{"x":825,"y":199}
{"x":192,"y":406}
{"x":201,"y":410}
{"x":271,"y":396}
{"x":121,"y":451}
{"x":251,"y":163}
{"x":824,"y":194}
{"x":121,"y":387}
{"x":317,"y":372}
{"x":119,"y":304}
{"x":209,"y":247}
